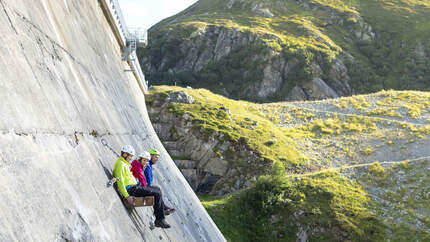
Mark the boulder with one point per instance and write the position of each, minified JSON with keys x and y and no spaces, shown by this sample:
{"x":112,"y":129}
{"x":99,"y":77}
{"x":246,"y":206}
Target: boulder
{"x":186,"y":164}
{"x":170,"y":145}
{"x":177,"y":153}
{"x":296,"y":94}
{"x":265,"y":12}
{"x":216,"y":166}
{"x":181,"y":97}
{"x":318,"y":89}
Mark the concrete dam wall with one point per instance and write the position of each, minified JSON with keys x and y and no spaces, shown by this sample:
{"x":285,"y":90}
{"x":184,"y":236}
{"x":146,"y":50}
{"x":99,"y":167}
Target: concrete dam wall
{"x":63,"y":89}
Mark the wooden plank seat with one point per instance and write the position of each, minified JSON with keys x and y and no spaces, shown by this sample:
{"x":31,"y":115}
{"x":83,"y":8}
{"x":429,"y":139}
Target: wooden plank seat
{"x":141,"y":201}
{"x":137,"y":202}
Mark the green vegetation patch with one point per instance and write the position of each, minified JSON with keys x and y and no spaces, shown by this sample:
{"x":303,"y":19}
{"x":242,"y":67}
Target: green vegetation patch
{"x":377,"y":203}
{"x":329,"y":126}
{"x":326,"y":206}
{"x":210,"y":113}
{"x":397,"y":104}
{"x":415,"y":103}
{"x":359,"y":103}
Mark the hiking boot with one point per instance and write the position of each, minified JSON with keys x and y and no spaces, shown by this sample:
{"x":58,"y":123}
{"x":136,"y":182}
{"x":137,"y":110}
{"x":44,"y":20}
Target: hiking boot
{"x":162,"y":224}
{"x":169,"y":211}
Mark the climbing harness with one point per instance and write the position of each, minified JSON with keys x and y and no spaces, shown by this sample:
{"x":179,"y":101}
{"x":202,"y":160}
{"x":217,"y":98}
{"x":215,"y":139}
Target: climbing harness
{"x":111,"y":181}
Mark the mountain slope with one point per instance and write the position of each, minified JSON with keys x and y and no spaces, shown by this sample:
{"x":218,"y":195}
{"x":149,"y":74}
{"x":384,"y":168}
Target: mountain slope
{"x":305,"y":136}
{"x":309,"y":49}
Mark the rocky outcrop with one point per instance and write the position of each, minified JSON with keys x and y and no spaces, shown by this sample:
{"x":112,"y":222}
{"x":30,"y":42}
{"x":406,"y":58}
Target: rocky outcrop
{"x":240,"y":63}
{"x":209,"y":162}
{"x":261,"y":75}
{"x":315,"y":89}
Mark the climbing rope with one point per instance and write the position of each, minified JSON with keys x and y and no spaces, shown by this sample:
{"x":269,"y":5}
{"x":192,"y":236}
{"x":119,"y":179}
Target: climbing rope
{"x":113,"y":179}
{"x":104,"y":142}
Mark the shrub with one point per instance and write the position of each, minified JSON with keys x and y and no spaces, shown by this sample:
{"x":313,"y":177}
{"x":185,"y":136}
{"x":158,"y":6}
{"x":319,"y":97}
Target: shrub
{"x":332,"y":207}
{"x":376,"y":169}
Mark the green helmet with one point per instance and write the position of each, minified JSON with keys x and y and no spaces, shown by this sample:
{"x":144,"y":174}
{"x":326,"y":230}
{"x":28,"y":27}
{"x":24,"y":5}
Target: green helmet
{"x":154,"y":152}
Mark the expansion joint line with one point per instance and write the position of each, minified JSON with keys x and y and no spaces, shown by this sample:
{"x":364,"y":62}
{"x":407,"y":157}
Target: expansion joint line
{"x":65,"y":134}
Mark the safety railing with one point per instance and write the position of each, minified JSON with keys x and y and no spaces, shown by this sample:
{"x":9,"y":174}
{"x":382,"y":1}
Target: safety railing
{"x":129,"y":40}
{"x":140,"y":35}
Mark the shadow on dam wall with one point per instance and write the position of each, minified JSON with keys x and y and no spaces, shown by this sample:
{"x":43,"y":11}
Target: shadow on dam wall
{"x":62,"y":89}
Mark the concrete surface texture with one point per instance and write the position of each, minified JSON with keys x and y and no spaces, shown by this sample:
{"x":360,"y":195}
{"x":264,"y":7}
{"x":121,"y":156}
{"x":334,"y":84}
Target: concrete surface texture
{"x":63,"y":88}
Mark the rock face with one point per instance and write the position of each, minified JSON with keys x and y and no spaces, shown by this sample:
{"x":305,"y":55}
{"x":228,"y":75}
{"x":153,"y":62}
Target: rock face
{"x":208,"y":162}
{"x":271,"y":52}
{"x":261,"y":76}
{"x":63,"y":88}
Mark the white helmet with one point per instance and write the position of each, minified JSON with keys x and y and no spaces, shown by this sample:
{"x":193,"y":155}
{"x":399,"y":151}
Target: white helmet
{"x":128,"y":149}
{"x":145,"y":155}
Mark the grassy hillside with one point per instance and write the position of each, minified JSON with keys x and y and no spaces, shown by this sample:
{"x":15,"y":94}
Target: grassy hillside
{"x":308,"y":136}
{"x":368,"y":203}
{"x":387,"y":44}
{"x":342,"y":169}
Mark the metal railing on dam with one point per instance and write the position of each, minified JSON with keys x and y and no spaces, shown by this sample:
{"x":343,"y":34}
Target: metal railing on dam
{"x":125,"y":36}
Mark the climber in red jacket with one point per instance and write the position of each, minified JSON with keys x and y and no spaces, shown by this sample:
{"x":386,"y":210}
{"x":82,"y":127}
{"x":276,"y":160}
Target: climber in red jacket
{"x":137,"y":168}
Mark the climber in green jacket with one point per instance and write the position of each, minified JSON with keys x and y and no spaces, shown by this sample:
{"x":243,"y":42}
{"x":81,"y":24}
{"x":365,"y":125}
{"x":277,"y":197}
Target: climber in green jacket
{"x":130,"y":189}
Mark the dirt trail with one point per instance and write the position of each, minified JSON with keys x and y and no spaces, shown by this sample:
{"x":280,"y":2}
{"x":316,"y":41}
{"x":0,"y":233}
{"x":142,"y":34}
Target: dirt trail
{"x":358,"y":165}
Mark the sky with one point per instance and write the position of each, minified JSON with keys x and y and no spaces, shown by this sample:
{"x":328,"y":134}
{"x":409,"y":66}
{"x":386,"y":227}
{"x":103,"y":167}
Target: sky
{"x":145,"y":13}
